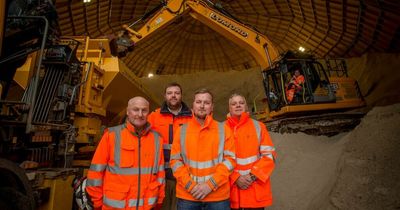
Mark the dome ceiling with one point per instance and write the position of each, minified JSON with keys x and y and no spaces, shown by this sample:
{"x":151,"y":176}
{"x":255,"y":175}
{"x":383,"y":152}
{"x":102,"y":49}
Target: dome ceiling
{"x":336,"y":28}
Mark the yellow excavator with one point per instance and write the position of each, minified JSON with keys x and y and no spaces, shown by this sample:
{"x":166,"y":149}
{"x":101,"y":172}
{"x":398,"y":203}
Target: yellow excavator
{"x":325,"y":104}
{"x":326,"y":94}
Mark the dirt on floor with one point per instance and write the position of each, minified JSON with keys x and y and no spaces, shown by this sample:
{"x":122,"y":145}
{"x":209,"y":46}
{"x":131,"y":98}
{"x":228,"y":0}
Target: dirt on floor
{"x":355,"y":170}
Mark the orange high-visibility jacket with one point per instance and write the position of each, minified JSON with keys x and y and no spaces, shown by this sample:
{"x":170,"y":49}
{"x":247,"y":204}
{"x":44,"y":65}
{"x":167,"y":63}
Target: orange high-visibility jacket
{"x":297,"y":81}
{"x":255,"y":154}
{"x":203,"y":154}
{"x":166,"y":123}
{"x":290,"y":91}
{"x":127,"y":170}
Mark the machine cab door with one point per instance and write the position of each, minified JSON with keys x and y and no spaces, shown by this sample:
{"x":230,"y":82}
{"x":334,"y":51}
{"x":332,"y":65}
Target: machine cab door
{"x":318,"y":86}
{"x":273,"y":84}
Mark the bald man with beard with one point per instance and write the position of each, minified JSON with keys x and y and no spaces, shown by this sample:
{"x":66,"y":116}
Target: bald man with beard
{"x":127,"y":170}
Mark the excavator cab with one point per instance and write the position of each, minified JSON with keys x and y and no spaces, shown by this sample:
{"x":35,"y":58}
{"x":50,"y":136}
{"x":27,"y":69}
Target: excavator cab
{"x":316,"y":87}
{"x":325,"y":90}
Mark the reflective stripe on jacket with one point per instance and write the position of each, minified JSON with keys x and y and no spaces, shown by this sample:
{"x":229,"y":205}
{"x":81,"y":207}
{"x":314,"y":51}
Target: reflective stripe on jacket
{"x":127,"y":170}
{"x":203,"y":154}
{"x":166,"y":123}
{"x":255,"y":154}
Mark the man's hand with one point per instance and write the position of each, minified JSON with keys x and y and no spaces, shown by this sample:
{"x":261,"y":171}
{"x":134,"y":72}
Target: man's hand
{"x":244,"y":182}
{"x":200,"y":191}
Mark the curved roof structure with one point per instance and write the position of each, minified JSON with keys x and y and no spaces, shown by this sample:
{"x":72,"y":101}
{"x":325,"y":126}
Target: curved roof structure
{"x":335,"y":28}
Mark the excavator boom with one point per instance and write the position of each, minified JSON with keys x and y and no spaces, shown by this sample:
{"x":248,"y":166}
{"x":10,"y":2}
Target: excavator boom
{"x":259,"y":46}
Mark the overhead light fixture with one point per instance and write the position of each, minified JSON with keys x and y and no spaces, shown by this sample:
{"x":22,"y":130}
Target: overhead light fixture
{"x":150,"y":75}
{"x":301,"y":49}
{"x":86,"y":1}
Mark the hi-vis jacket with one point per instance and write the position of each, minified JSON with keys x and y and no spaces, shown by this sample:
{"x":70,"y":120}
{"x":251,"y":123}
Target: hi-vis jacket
{"x":166,"y":123}
{"x":294,"y":87}
{"x":255,"y":154}
{"x":203,"y":154}
{"x":127,"y":170}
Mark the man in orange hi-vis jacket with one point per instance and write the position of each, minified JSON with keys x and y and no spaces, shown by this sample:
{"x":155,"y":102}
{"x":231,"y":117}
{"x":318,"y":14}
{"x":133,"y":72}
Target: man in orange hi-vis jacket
{"x":255,"y":155}
{"x":166,"y":120}
{"x":127,"y":170}
{"x":294,"y":86}
{"x":202,"y":158}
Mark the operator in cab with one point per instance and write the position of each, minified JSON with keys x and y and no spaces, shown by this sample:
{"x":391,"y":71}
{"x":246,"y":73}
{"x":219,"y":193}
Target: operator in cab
{"x":294,"y":86}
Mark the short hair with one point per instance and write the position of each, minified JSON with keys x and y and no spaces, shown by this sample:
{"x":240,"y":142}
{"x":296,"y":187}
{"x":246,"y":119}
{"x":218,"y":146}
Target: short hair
{"x":172,"y":84}
{"x":244,"y":98}
{"x":237,"y":94}
{"x":203,"y":90}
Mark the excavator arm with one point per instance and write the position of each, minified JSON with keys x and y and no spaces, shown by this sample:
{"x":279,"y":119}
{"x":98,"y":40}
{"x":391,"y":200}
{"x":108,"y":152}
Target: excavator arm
{"x":259,"y":46}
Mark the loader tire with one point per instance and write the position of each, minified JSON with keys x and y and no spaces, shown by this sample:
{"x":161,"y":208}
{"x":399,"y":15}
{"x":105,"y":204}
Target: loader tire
{"x":15,"y":190}
{"x":13,"y":200}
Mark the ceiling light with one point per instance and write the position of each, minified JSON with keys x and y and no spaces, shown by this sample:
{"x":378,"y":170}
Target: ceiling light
{"x":150,"y":75}
{"x":301,"y":49}
{"x":86,"y":1}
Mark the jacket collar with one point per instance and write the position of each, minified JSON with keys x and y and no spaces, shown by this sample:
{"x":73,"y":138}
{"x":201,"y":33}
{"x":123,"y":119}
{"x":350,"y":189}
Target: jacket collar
{"x":185,"y":111}
{"x":132,"y":129}
{"x":233,"y":121}
{"x":207,"y":121}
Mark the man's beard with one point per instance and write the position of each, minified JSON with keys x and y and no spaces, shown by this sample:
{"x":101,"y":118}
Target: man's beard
{"x":174,"y":105}
{"x":201,"y":116}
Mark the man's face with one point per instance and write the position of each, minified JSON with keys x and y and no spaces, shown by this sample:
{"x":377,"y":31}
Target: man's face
{"x":202,"y":105}
{"x":297,"y":73}
{"x":237,"y":105}
{"x":137,"y":112}
{"x":173,"y":96}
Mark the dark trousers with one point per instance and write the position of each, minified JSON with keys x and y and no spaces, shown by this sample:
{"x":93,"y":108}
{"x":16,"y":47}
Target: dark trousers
{"x":198,"y":205}
{"x":170,"y":199}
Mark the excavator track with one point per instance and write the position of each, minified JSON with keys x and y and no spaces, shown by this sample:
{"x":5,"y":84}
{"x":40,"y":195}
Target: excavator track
{"x":324,"y":124}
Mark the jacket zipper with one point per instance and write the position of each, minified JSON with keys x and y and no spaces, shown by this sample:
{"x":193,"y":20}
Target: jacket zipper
{"x":138,"y":195}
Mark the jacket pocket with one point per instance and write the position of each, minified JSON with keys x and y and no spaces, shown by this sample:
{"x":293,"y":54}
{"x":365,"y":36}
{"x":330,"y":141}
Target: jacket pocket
{"x":127,"y":158}
{"x":151,"y":194}
{"x":115,"y":195}
{"x":262,"y":191}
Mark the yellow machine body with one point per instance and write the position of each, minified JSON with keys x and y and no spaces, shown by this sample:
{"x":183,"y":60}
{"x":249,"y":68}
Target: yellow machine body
{"x":61,"y":193}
